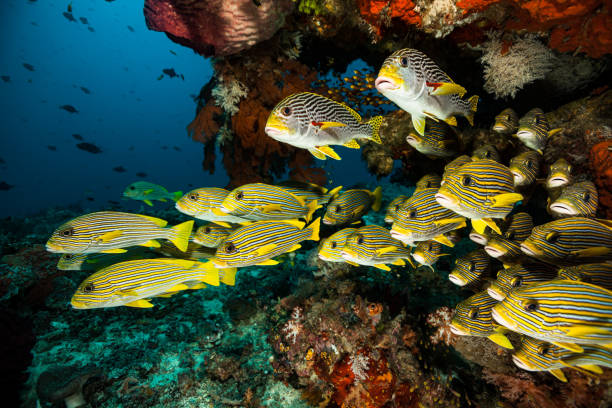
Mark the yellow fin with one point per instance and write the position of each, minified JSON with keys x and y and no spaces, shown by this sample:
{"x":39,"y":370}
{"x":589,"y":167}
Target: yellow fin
{"x":300,"y":200}
{"x":315,"y":226}
{"x":312,"y":207}
{"x":357,"y":210}
{"x":333,"y":192}
{"x":180,"y":235}
{"x":218,"y":212}
{"x":109,"y":236}
{"x":317,"y":153}
{"x":325,"y":125}
{"x":581,"y":330}
{"x":268,"y":262}
{"x":446,"y":88}
{"x":444,"y":240}
{"x":148,"y":202}
{"x":157,"y":221}
{"x":228,"y":276}
{"x":114,"y":251}
{"x":351,"y":263}
{"x":296,"y":223}
{"x":268,"y":208}
{"x":222,"y":223}
{"x":451,"y":120}
{"x":569,"y":346}
{"x":328,"y":151}
{"x":591,"y":367}
{"x":382,"y":251}
{"x":163,"y":200}
{"x":377,"y":195}
{"x":351,"y":111}
{"x":382,"y":266}
{"x":266,"y":249}
{"x":352,"y":144}
{"x":595,"y":251}
{"x":198,"y":285}
{"x":149,"y":191}
{"x":507,"y":199}
{"x":375,"y":123}
{"x":447,"y":221}
{"x":294,"y":248}
{"x":140,"y":303}
{"x":167,"y":294}
{"x":480,"y":224}
{"x":151,"y":243}
{"x":554,"y":131}
{"x":419,"y":124}
{"x":473,"y":103}
{"x":399,"y":262}
{"x":500,"y":340}
{"x":179,"y":287}
{"x":559,"y":374}
{"x":210,"y":273}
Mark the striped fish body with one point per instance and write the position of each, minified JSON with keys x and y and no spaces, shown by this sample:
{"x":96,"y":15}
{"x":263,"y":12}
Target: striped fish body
{"x":486,"y":152}
{"x":565,"y":313}
{"x":430,"y":180}
{"x":534,"y":129}
{"x":147,"y":192}
{"x":483,"y":237}
{"x":312,"y":121}
{"x":194,"y":252}
{"x":351,"y":205}
{"x":330,"y":249}
{"x":506,"y":122}
{"x":519,"y":227}
{"x":559,"y":174}
{"x":416,"y":84}
{"x":421,"y":218}
{"x":393,"y":207}
{"x":132,"y":283}
{"x":454,"y":165}
{"x":576,"y":200}
{"x":519,"y":276}
{"x":427,"y":253}
{"x":257,"y":243}
{"x":570,"y":241}
{"x":504,"y":250}
{"x":470,"y":268}
{"x":93,"y":262}
{"x":525,"y":168}
{"x":599,"y":274}
{"x":480,"y":189}
{"x":439,"y":140}
{"x":201,"y":202}
{"x":373,"y":245}
{"x":211,"y":235}
{"x":539,"y":355}
{"x":259,"y":202}
{"x":309,"y":191}
{"x":110,"y":231}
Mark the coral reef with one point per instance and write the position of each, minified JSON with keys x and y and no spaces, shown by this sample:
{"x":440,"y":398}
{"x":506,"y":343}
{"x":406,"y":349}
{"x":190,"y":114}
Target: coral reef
{"x":600,"y":159}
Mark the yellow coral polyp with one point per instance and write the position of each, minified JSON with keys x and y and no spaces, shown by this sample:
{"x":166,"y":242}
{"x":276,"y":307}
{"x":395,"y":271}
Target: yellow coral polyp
{"x":310,"y":354}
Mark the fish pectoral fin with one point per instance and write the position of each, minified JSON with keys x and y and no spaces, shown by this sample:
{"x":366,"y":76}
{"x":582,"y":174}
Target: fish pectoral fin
{"x":419,"y":124}
{"x":325,"y":125}
{"x":357,"y":210}
{"x":266,"y":249}
{"x":148,"y":202}
{"x":218,"y":212}
{"x":382,"y":266}
{"x":569,"y":346}
{"x":506,"y":199}
{"x":443,"y":239}
{"x":501,"y":340}
{"x":355,"y":222}
{"x":109,"y":236}
{"x":351,"y":263}
{"x":328,"y":151}
{"x":268,"y":262}
{"x":382,"y":251}
{"x":558,"y":374}
{"x":151,"y":244}
{"x":451,"y":120}
{"x":268,"y":208}
{"x":554,"y":131}
{"x":595,"y":251}
{"x":316,"y":153}
{"x":114,"y":251}
{"x":146,"y":192}
{"x":445,"y":88}
{"x":352,"y":144}
{"x":447,"y":221}
{"x":222,"y":223}
{"x":143,"y":303}
{"x":294,"y":248}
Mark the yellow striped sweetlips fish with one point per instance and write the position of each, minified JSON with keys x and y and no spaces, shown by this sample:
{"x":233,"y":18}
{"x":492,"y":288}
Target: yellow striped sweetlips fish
{"x":518,"y":227}
{"x":257,"y":243}
{"x":563,"y":312}
{"x":201,"y":202}
{"x":525,"y":168}
{"x":480,"y":190}
{"x":194,"y":252}
{"x":373,"y":245}
{"x":506,"y":122}
{"x":534,"y":130}
{"x":427,"y":253}
{"x":211,"y":235}
{"x":599,"y":274}
{"x":571,"y":241}
{"x":539,"y":355}
{"x":559,"y":174}
{"x":259,"y":202}
{"x":147,"y":192}
{"x":421,"y":218}
{"x":486,"y":152}
{"x":134,"y":283}
{"x":111,"y":231}
{"x":518,"y":276}
{"x":95,"y":261}
{"x":439,"y":140}
{"x":472,"y":317}
{"x":351,"y":205}
{"x":330,"y":249}
{"x":482,"y":238}
{"x":505,"y":250}
{"x":393,"y":207}
{"x":430,"y":180}
{"x":470,"y":268}
{"x":310,"y":191}
{"x":415,"y":83}
{"x":454,"y":165}
{"x":454,"y":236}
{"x":576,"y":200}
{"x":314,"y":122}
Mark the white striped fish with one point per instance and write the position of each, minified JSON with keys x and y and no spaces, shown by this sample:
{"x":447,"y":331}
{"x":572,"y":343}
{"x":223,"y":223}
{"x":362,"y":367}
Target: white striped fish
{"x":111,"y":231}
{"x":563,"y":312}
{"x":373,"y":245}
{"x":486,"y":152}
{"x":330,"y":249}
{"x":439,"y":140}
{"x":576,"y":200}
{"x":134,"y":283}
{"x":599,"y":274}
{"x":146,"y":191}
{"x":211,"y":235}
{"x":427,"y":253}
{"x":393,"y":207}
{"x":416,"y":84}
{"x":534,"y":130}
{"x":257,"y":243}
{"x":351,"y":205}
{"x":314,"y":122}
{"x":430,"y":180}
{"x":92,"y":262}
{"x":518,"y":276}
{"x":470,"y":268}
{"x":421,"y":218}
{"x":525,"y":168}
{"x":571,"y":241}
{"x":201,"y":202}
{"x":310,"y":191}
{"x":259,"y":202}
{"x":506,"y":122}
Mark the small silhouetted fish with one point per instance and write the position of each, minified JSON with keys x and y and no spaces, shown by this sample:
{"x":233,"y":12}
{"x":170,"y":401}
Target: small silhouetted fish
{"x":141,"y":174}
{"x":89,"y":147}
{"x":164,"y":147}
{"x":69,"y":108}
{"x":113,"y":202}
{"x":189,"y":185}
{"x":77,"y":136}
{"x":172,"y":52}
{"x":2,"y":161}
{"x":170,"y":72}
{"x":131,"y":148}
{"x":83,"y":20}
{"x":159,"y":78}
{"x":69,"y":8}
{"x":5,"y":186}
{"x":68,"y":16}
{"x":52,"y":148}
{"x":90,"y":198}
{"x":27,"y":66}
{"x":6,"y":78}
{"x":90,"y":28}
{"x":87,"y":91}
{"x":119,"y":169}
{"x":182,"y":77}
{"x":130,"y":28}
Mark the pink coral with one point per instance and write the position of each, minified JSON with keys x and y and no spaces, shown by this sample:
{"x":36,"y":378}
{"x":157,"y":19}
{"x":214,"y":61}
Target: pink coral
{"x":441,"y":319}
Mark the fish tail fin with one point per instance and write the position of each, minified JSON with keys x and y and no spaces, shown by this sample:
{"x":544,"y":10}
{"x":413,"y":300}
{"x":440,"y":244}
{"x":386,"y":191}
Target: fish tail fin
{"x":377,"y":194}
{"x":312,"y":206}
{"x":228,"y":276}
{"x":314,"y":228}
{"x":473,"y":106}
{"x":333,"y":192}
{"x":210,"y":273}
{"x":180,"y":235}
{"x":375,"y":123}
{"x":177,"y":195}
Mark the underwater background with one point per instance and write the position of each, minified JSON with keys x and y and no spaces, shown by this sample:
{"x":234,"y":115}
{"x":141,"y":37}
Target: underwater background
{"x":99,"y":94}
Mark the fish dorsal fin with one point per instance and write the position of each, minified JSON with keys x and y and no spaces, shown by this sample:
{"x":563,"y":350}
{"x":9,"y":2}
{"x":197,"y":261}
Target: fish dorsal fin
{"x":352,"y":144}
{"x":569,"y":346}
{"x":506,"y":199}
{"x":143,"y":303}
{"x":157,"y":221}
{"x":266,"y":249}
{"x":501,"y":340}
{"x":443,"y":239}
{"x":352,"y":111}
{"x":296,"y":223}
{"x":559,"y":374}
{"x":109,"y":236}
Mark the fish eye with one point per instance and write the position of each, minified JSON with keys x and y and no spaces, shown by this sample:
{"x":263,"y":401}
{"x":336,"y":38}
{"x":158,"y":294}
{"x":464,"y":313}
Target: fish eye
{"x":67,"y":256}
{"x":530,"y":306}
{"x":193,"y":197}
{"x":239,"y":195}
{"x":132,"y":188}
{"x":429,"y":247}
{"x":466,"y":180}
{"x":586,"y":197}
{"x":337,"y":209}
{"x":230,"y":248}
{"x":88,"y":288}
{"x":67,"y":232}
{"x":529,"y":164}
{"x":516,"y":281}
{"x":543,"y":350}
{"x":509,"y":234}
{"x":404,"y":61}
{"x":360,"y":240}
{"x":333,"y":244}
{"x":472,"y":266}
{"x":487,"y":154}
{"x":286,"y":111}
{"x":412,"y":214}
{"x":508,"y":117}
{"x":207,"y":230}
{"x":397,"y":207}
{"x":552,"y":237}
{"x":473,"y":313}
